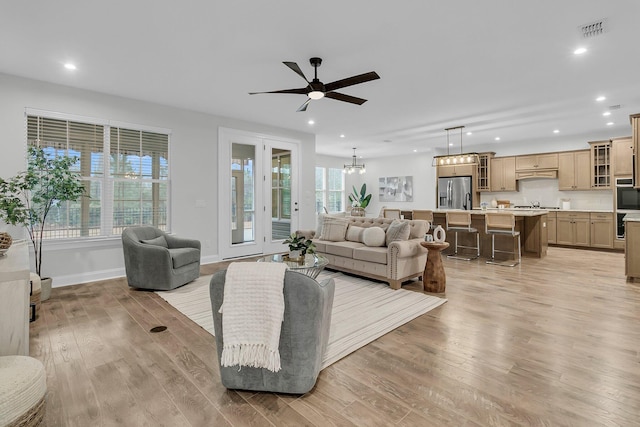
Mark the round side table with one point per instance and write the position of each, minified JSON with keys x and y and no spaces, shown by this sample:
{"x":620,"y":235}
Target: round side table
{"x":434,"y":278}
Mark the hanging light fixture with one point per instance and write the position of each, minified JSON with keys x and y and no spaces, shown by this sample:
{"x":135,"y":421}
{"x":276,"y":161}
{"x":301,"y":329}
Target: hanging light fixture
{"x":456,"y":159}
{"x":354,"y":166}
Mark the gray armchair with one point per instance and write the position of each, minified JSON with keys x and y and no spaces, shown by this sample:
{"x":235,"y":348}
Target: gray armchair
{"x":156,"y":260}
{"x":303,"y":338}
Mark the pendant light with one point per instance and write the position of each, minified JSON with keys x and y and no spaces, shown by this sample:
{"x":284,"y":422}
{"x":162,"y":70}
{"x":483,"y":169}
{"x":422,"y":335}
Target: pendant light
{"x":456,"y":159}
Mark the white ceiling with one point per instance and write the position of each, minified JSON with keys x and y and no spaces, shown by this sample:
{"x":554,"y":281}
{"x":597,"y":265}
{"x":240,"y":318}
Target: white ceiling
{"x":500,"y":67}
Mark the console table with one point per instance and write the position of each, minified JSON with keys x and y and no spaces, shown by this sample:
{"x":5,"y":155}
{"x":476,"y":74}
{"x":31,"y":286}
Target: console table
{"x":14,"y":301}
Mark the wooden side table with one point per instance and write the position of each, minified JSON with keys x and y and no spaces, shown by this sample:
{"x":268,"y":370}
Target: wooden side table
{"x":434,"y":278}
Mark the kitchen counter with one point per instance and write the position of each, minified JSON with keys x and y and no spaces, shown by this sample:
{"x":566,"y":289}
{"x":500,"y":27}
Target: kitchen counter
{"x":516,"y":212}
{"x":632,"y":217}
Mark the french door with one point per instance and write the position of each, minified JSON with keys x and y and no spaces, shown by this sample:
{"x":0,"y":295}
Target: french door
{"x":258,"y":193}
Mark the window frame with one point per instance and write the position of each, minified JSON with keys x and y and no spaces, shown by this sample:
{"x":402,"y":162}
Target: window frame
{"x":107,"y":180}
{"x":325,"y":190}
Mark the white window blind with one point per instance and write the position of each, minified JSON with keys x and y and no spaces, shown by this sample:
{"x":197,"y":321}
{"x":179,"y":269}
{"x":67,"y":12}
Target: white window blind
{"x":135,"y":191}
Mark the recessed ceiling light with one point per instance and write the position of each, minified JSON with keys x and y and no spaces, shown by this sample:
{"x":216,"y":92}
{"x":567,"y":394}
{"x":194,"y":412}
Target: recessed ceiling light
{"x":610,"y":123}
{"x":70,"y":66}
{"x":469,"y":133}
{"x":497,"y":138}
{"x":556,"y":131}
{"x":601,"y":98}
{"x":342,"y":135}
{"x":580,"y":51}
{"x":415,"y":151}
{"x":311,"y":122}
{"x":451,"y":144}
{"x":606,"y":113}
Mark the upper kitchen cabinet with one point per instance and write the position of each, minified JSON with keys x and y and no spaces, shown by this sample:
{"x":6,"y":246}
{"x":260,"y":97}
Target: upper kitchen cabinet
{"x":574,"y":170}
{"x":503,"y":174}
{"x":635,"y":136}
{"x":536,"y":162}
{"x":600,"y":164}
{"x":484,"y":174}
{"x":622,"y":152}
{"x":456,"y":170}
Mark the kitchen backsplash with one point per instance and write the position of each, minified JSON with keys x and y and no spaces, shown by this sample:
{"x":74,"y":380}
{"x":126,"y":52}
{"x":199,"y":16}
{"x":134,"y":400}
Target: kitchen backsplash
{"x":546,"y":192}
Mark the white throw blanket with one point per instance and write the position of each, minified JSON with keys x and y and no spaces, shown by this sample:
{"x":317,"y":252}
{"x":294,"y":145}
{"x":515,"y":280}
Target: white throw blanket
{"x":253,"y":307}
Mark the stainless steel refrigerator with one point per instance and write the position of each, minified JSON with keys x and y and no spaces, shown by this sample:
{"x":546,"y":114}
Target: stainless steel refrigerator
{"x":455,"y":193}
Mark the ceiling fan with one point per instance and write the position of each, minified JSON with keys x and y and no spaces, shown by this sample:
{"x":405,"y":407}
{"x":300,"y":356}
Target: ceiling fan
{"x":315,"y":89}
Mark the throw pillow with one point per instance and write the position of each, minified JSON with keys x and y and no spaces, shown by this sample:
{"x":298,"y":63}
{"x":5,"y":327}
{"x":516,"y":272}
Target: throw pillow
{"x":158,"y":241}
{"x":320,"y":221}
{"x":373,"y":236}
{"x":334,"y":229}
{"x":354,"y":233}
{"x":398,"y":230}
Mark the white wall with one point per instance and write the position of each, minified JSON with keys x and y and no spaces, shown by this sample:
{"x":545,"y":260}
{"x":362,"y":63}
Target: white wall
{"x":193,"y":157}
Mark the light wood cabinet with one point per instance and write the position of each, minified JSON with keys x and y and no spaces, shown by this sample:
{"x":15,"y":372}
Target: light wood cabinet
{"x":503,"y":174}
{"x":536,"y":174}
{"x":456,"y":170}
{"x":574,"y":170}
{"x":632,"y":249}
{"x":537,"y":161}
{"x":551,"y":226}
{"x":622,"y":152}
{"x":635,"y":137}
{"x":601,"y":232}
{"x":484,"y":177}
{"x":600,"y":164}
{"x":573,"y":228}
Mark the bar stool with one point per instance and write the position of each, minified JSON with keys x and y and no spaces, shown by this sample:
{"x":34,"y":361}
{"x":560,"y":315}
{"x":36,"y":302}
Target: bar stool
{"x":423,"y":214}
{"x":502,"y":224}
{"x":460,"y":221}
{"x":391,"y":213}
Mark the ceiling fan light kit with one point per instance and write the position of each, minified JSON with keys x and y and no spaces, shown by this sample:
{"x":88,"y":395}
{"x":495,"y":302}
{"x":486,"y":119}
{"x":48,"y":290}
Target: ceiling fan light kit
{"x":354,"y":166}
{"x":456,"y":159}
{"x":315,"y":89}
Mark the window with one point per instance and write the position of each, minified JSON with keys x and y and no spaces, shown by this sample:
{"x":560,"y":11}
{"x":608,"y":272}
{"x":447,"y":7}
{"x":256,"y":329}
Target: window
{"x":125,"y":173}
{"x":329,"y":189}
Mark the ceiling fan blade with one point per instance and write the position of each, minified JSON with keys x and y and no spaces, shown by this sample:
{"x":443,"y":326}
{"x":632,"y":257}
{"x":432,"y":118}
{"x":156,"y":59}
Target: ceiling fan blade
{"x":350,"y":81}
{"x":295,"y":68}
{"x":303,"y":107}
{"x":300,"y":91}
{"x":345,"y":98}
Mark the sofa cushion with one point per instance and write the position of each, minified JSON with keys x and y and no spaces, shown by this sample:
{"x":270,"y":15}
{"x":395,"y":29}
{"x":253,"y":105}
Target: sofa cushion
{"x":373,"y":236}
{"x":334,"y":229}
{"x":343,"y":249}
{"x":320,"y":221}
{"x":418,"y":228}
{"x":354,"y":234}
{"x":158,"y":241}
{"x":377,"y":255}
{"x":398,"y":230}
{"x":184,"y":256}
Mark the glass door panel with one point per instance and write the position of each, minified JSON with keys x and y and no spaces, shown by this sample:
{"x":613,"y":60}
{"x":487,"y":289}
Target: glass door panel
{"x":280,"y":194}
{"x":242,"y":203}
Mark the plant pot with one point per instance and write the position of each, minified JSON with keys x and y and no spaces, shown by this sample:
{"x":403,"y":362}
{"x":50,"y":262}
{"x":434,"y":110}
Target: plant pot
{"x":357,"y":211}
{"x":45,"y":288}
{"x":295,"y":255}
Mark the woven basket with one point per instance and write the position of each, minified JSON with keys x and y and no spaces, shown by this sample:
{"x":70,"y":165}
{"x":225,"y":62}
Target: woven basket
{"x":5,"y":240}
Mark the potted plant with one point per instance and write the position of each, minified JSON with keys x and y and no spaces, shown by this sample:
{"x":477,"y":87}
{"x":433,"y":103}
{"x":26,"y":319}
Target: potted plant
{"x":359,"y":200}
{"x":299,"y":246}
{"x":27,"y":198}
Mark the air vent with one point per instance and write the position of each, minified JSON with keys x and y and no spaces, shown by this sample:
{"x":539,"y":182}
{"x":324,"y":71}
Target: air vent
{"x":614,"y":107}
{"x":593,"y":29}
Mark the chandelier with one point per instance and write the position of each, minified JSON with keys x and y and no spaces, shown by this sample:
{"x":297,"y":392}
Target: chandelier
{"x":456,"y":159}
{"x":354,"y":166}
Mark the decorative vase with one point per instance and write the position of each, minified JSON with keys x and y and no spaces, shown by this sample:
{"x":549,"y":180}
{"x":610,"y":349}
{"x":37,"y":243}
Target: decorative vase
{"x":494,"y":203}
{"x":295,"y":255}
{"x":357,"y":211}
{"x":439,"y":235}
{"x":45,"y":288}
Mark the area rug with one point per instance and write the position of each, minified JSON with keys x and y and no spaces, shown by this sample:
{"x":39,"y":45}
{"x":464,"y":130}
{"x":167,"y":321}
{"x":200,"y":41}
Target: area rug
{"x":362,"y":310}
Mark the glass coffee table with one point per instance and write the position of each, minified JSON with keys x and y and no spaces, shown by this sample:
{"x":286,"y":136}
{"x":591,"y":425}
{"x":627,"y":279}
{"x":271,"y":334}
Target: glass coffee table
{"x":311,"y":265}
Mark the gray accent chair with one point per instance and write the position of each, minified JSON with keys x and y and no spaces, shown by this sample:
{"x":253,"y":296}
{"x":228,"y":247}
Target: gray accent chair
{"x":303,"y":338}
{"x":156,"y":260}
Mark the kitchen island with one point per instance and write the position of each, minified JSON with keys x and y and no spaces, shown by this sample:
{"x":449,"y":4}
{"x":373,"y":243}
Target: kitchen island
{"x":531,"y":223}
{"x":632,"y":246}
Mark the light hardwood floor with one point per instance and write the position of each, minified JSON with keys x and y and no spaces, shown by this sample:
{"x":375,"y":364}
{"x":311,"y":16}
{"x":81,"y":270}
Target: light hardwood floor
{"x":551,"y":342}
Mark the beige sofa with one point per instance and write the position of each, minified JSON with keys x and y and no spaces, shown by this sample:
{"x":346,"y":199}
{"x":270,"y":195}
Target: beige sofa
{"x":394,"y":263}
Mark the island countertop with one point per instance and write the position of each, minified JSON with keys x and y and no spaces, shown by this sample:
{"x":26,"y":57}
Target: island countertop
{"x":516,"y":212}
{"x":632,"y":217}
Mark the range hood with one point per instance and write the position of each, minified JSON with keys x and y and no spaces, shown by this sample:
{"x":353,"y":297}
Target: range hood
{"x":551,"y":174}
